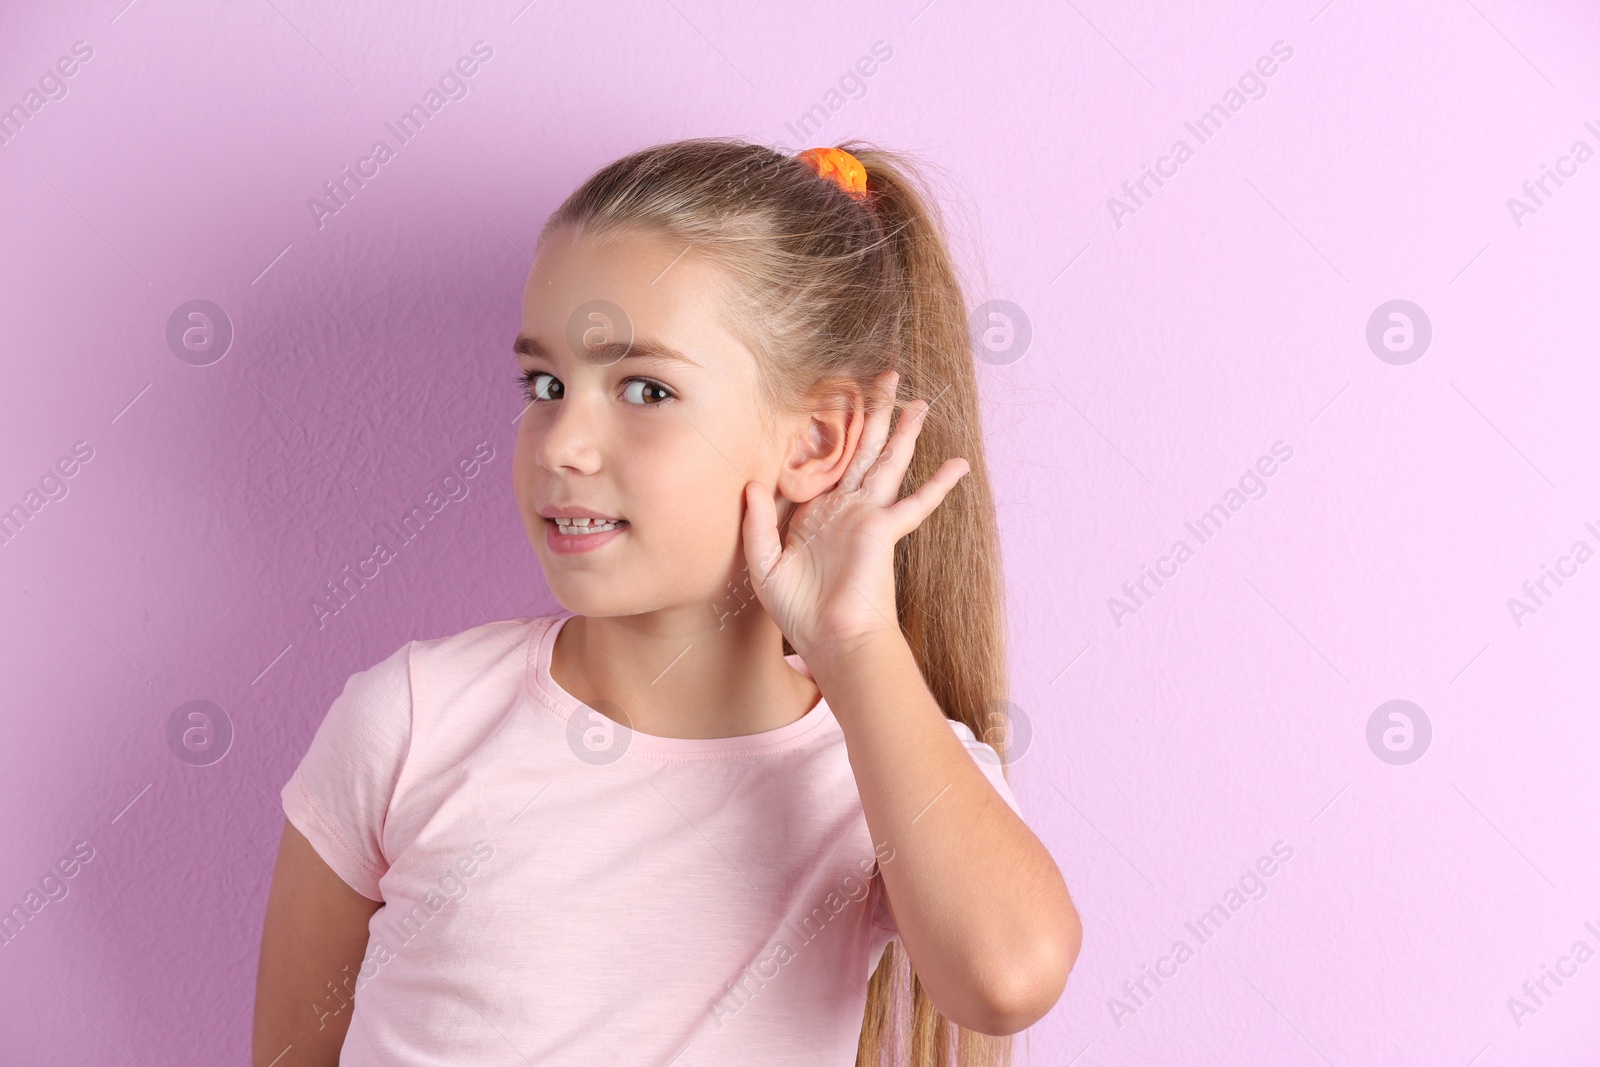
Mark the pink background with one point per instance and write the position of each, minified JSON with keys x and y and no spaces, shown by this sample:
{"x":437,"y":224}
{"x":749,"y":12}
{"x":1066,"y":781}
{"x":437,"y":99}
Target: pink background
{"x":1228,"y":312}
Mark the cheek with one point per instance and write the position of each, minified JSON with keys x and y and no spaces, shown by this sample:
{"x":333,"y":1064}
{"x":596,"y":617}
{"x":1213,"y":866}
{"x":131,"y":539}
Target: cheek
{"x":522,"y":465}
{"x":686,"y":492}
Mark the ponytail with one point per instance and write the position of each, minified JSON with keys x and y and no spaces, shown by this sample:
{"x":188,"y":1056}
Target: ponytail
{"x":949,"y":586}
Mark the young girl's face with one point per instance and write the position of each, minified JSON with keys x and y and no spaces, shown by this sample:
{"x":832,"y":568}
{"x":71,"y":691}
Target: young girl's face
{"x":665,"y":444}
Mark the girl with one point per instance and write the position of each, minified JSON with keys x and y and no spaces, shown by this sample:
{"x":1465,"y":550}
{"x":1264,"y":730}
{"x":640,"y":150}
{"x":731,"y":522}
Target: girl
{"x":733,"y":808}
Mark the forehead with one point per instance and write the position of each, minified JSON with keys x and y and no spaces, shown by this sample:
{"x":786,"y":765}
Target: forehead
{"x":658,"y":287}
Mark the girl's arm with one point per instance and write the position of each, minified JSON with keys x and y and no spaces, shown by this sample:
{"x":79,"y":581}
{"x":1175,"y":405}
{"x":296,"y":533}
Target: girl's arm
{"x":316,"y":928}
{"x":981,"y":907}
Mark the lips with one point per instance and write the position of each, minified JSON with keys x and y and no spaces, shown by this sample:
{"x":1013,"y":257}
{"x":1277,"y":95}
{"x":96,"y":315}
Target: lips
{"x":579,"y":535}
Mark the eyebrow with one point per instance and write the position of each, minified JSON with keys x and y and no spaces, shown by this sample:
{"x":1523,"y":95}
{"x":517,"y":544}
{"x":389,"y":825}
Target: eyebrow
{"x":641,"y":348}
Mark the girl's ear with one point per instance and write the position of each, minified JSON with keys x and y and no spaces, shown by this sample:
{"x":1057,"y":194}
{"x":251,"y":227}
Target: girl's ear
{"x":823,"y":444}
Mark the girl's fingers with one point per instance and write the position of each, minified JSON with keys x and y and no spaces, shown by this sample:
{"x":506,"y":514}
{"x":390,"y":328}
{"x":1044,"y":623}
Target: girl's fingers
{"x":762,"y":546}
{"x":907,"y":514}
{"x":873,"y":436}
{"x":883,"y":482}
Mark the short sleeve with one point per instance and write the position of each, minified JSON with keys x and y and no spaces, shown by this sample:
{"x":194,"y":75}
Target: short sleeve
{"x":339,"y":795}
{"x":988,"y":761}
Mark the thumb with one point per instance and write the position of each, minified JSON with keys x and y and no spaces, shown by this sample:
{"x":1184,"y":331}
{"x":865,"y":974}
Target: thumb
{"x":761,"y":544}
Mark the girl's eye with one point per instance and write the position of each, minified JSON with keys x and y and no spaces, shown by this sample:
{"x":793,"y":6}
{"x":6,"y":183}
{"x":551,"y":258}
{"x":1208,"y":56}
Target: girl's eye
{"x":640,"y":392}
{"x":528,"y":380}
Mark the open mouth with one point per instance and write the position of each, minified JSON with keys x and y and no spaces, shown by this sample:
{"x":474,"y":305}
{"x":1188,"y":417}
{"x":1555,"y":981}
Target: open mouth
{"x":587,"y":526}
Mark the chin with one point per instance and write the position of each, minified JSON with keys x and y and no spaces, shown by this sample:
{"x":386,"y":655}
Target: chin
{"x":596,"y":596}
{"x":610,"y":596}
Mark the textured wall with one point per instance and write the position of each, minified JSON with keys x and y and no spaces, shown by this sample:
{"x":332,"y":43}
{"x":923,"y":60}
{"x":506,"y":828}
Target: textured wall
{"x":1184,"y":735}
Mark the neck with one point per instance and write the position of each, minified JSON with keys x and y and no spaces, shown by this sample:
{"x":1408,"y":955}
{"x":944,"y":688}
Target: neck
{"x":679,"y":672}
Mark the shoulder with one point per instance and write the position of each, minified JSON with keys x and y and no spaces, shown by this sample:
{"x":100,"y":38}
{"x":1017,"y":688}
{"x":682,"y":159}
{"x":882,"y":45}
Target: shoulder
{"x":424,"y":696}
{"x":426,"y":671}
{"x":484,"y":666}
{"x":479,"y":646}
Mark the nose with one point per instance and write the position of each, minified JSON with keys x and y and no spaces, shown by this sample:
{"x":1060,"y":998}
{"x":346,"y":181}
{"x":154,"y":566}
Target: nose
{"x":566,"y":434}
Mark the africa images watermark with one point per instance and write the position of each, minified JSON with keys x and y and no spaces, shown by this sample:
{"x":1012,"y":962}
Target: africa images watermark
{"x":1566,"y":567}
{"x":53,"y":485}
{"x":1205,"y":127}
{"x":1531,"y":1000}
{"x":453,"y":85}
{"x":1579,"y":154}
{"x":452,"y":888}
{"x":1252,"y":485}
{"x":339,"y":594}
{"x":852,"y":84}
{"x":1252,"y":886}
{"x":52,"y":888}
{"x":779,"y":951}
{"x":52,"y":86}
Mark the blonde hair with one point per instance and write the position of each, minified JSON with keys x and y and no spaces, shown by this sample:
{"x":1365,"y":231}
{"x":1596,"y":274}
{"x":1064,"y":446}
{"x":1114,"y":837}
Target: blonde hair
{"x":825,"y":288}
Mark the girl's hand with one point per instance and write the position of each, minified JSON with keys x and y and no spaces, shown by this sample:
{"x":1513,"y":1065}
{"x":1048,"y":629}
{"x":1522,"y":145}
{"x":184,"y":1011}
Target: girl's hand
{"x":832,"y":586}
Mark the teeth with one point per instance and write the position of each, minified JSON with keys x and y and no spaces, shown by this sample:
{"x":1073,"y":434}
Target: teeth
{"x":585,"y":525}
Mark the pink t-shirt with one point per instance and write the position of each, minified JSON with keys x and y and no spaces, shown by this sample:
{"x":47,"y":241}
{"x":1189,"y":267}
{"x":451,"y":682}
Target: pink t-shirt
{"x":559,"y":889}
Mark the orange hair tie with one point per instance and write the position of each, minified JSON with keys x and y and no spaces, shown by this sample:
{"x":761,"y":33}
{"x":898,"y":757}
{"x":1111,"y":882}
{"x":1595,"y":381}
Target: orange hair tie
{"x":839,"y":167}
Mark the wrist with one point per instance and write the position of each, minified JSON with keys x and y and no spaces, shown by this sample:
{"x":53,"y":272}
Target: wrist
{"x":840,"y":656}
